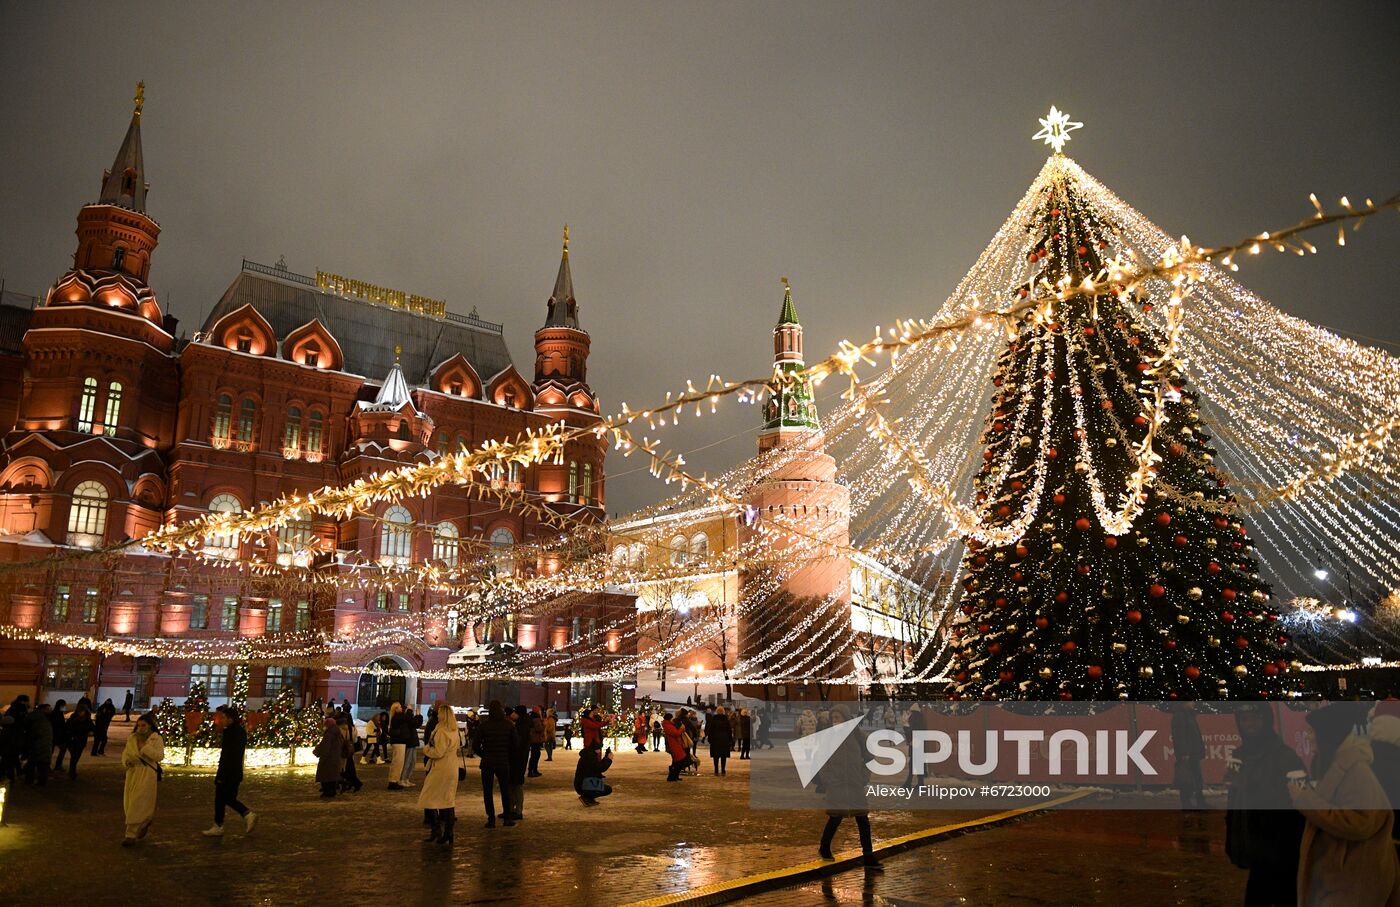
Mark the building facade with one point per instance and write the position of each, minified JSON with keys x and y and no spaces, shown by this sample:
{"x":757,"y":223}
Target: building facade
{"x":115,"y":425}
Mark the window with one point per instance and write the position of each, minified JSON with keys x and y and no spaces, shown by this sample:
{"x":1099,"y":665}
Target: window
{"x":311,"y":355}
{"x":90,"y":606}
{"x":87,"y":515}
{"x":396,"y":536}
{"x":247,"y":414}
{"x":199,"y":612}
{"x":502,"y":543}
{"x":244,"y":342}
{"x":619,"y":557}
{"x":455,"y":388}
{"x":294,"y":542}
{"x":291,"y":438}
{"x":223,"y":420}
{"x":381,"y":601}
{"x":314,"y":421}
{"x":114,"y":406}
{"x":303,"y":618}
{"x":68,"y":672}
{"x":118,"y":258}
{"x":403,"y":601}
{"x":280,"y":678}
{"x":699,"y":546}
{"x":443,"y":442}
{"x":592,"y":629}
{"x":62,"y":595}
{"x":462,"y":442}
{"x":678,"y":550}
{"x":445,"y":538}
{"x":509,"y":397}
{"x":87,"y":404}
{"x":213,"y":676}
{"x":588,"y":483}
{"x":574,"y":631}
{"x":274,"y":615}
{"x":514,"y":473}
{"x":229,"y":619}
{"x":639,"y":556}
{"x":403,"y":430}
{"x":221,"y":544}
{"x":573,"y":481}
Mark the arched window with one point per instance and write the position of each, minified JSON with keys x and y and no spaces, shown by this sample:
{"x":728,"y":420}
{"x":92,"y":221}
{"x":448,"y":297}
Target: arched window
{"x":502,"y":550}
{"x":87,"y":515}
{"x":573,"y":481}
{"x":461,"y":442}
{"x":291,"y":438}
{"x":639,"y":556}
{"x":403,"y":430}
{"x":443,"y":442}
{"x":699,"y":547}
{"x":619,"y":556}
{"x":445,"y":538}
{"x":114,"y":406}
{"x":588,"y":483}
{"x":396,"y":536}
{"x":223,"y":544}
{"x":311,"y":355}
{"x":294,"y":542}
{"x":314,"y":422}
{"x":223,"y":419}
{"x":247,"y":415}
{"x":678,"y":549}
{"x":118,"y":258}
{"x":87,"y":404}
{"x":515,"y":473}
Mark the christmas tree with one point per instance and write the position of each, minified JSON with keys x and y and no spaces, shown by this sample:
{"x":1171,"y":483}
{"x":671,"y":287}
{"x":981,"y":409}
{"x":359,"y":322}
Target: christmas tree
{"x":280,"y":726}
{"x":1112,"y":566}
{"x":170,"y":724}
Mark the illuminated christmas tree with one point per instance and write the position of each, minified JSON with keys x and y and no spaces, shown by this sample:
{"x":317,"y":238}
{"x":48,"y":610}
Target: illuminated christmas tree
{"x":1110,"y":564}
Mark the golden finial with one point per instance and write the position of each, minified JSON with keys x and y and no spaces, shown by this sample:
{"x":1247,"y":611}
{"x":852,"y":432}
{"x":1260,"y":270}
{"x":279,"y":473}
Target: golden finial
{"x":139,"y":100}
{"x":566,"y":240}
{"x":784,"y":280}
{"x":398,"y":351}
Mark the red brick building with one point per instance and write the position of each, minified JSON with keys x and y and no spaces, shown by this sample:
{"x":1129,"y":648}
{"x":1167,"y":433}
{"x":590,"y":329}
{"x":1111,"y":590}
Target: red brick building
{"x":116,"y":425}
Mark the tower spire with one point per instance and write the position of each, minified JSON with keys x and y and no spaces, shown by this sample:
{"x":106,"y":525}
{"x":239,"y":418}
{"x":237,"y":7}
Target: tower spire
{"x":791,"y":409}
{"x":125,"y":183}
{"x":563,"y":308}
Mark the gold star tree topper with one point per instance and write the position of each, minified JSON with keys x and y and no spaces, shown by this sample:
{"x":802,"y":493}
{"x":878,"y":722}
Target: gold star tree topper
{"x":1055,"y":129}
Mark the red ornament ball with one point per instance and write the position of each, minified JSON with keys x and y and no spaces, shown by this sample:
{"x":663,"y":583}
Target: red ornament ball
{"x":1180,"y":541}
{"x":1059,"y":499}
{"x":1042,"y":622}
{"x":1083,"y":250}
{"x":1213,"y":567}
{"x":1083,"y":569}
{"x":1170,"y":645}
{"x":1164,"y":519}
{"x":1007,"y":676}
{"x":1082,"y":524}
{"x":1193,"y":672}
{"x":1069,"y":646}
{"x":1228,"y":594}
{"x":1134,"y":616}
{"x":1241,"y":642}
{"x":1140,"y":421}
{"x":1062,"y":596}
{"x":1066,"y":695}
{"x":1156,"y":590}
{"x":1000,"y":602}
{"x":994,"y":648}
{"x":1022,"y":551}
{"x":1004,"y":510}
{"x":1052,"y":453}
{"x":1271,"y":669}
{"x":1094,"y":671}
{"x":1111,"y":542}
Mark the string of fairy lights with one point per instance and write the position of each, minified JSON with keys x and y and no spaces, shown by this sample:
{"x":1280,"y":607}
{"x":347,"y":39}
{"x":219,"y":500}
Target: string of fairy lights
{"x":1312,"y":458}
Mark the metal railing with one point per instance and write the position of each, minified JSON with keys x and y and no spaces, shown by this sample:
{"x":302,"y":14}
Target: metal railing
{"x":284,"y":274}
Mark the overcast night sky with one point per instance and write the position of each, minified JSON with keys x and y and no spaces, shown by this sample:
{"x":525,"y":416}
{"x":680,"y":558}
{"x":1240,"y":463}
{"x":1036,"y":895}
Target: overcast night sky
{"x":697,"y":151}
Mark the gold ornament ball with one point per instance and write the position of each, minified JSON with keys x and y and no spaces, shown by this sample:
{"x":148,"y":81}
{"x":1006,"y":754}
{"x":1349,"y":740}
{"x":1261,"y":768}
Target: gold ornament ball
{"x":1241,"y":670}
{"x":1045,"y":673}
{"x":1145,"y":671}
{"x":1120,"y":647}
{"x":1025,"y":441}
{"x":1213,"y":642}
{"x":1194,"y":593}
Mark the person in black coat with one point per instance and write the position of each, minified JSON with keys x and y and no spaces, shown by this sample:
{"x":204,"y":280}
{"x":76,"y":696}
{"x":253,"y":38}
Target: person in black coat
{"x":12,"y":731}
{"x":593,"y":762}
{"x":59,"y":719}
{"x":76,"y":731}
{"x":1262,"y":830}
{"x":102,"y":720}
{"x":1190,"y":750}
{"x":38,"y":736}
{"x":721,"y":735}
{"x":126,"y":706}
{"x":229,"y":776}
{"x":495,"y":744}
{"x":519,"y":760}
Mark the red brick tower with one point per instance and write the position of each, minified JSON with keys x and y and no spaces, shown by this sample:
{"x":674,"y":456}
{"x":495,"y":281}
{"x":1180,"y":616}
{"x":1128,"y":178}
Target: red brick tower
{"x":561,"y":392}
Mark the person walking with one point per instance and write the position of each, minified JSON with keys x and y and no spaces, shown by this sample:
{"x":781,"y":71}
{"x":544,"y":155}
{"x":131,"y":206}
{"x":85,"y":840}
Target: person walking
{"x":59,"y":719}
{"x":519,"y":759}
{"x":233,"y":744}
{"x":656,"y":733}
{"x":551,"y":727}
{"x":330,"y":754}
{"x":400,"y":729}
{"x":593,"y":763}
{"x":126,"y":706}
{"x":721,"y":741}
{"x":438,"y":797}
{"x":76,"y":731}
{"x":536,"y":742}
{"x":12,"y":737}
{"x":1346,"y":858}
{"x":39,"y":735}
{"x":349,"y":778}
{"x":141,"y":756}
{"x":495,"y":743}
{"x":569,"y":731}
{"x":1262,"y":830}
{"x":806,"y":723}
{"x":676,"y":745}
{"x":845,"y":778}
{"x":639,"y":731}
{"x":745,"y":732}
{"x":763,"y":728}
{"x":101,"y":722}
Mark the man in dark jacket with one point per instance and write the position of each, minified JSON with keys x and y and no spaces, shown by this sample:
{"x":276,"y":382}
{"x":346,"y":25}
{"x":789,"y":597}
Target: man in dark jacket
{"x":38,"y":730}
{"x":59,"y":719}
{"x":126,"y":706}
{"x":12,"y":733}
{"x":592,"y":763}
{"x":102,"y":721}
{"x":1262,"y":830}
{"x":230,"y":773}
{"x":495,"y":744}
{"x":76,"y":731}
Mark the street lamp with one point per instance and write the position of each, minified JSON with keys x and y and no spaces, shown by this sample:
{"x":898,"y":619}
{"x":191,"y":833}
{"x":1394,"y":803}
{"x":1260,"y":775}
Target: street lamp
{"x":695,"y":672}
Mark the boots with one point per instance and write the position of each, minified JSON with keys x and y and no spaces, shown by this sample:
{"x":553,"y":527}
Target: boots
{"x":436,"y":824}
{"x":449,"y":819}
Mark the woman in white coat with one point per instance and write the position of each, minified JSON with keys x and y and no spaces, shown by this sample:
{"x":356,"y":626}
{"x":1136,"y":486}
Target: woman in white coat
{"x":438,"y":796}
{"x":142,"y":755}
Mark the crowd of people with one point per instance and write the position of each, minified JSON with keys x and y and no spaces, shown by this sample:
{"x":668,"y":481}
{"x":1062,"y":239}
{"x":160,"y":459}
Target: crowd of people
{"x":31,"y":736}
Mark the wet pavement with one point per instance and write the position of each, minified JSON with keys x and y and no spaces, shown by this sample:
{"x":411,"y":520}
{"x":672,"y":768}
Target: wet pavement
{"x":649,"y":838}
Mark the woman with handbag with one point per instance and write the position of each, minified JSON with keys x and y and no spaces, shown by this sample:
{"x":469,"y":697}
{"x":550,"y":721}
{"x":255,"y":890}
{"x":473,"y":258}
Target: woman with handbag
{"x":675,"y":746}
{"x":141,"y":756}
{"x":439,"y":794}
{"x":551,"y":727}
{"x":593,"y":763}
